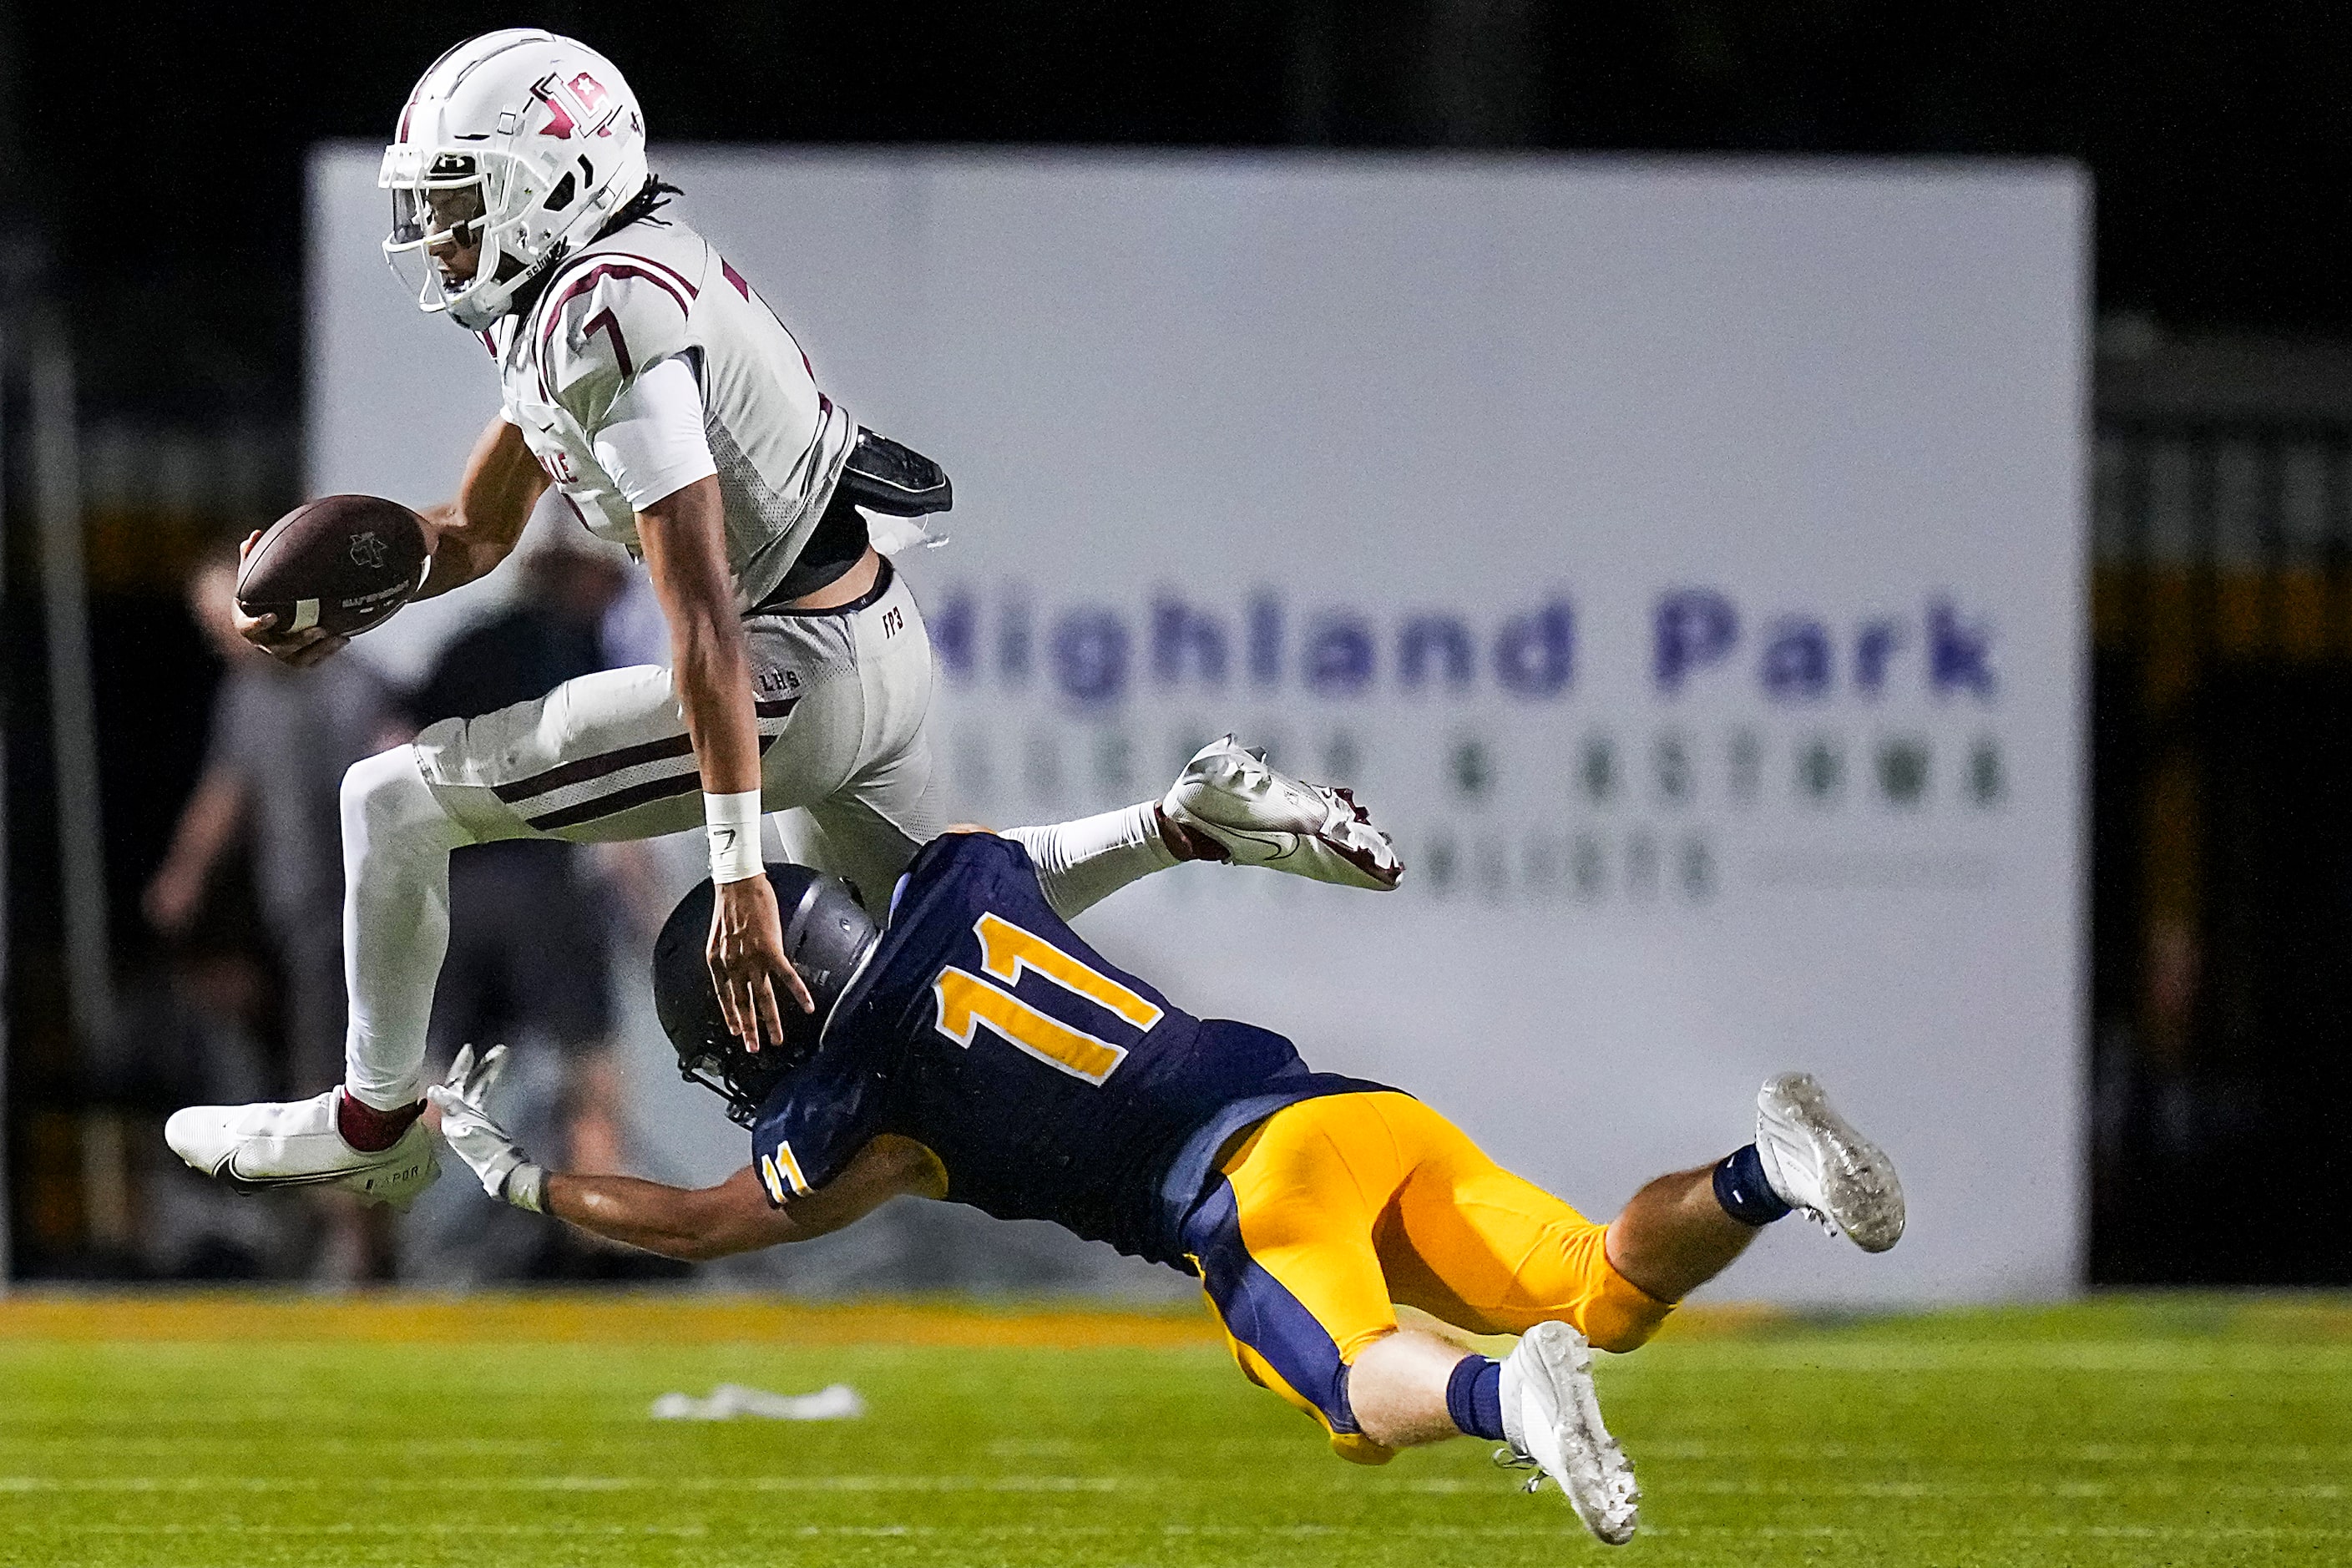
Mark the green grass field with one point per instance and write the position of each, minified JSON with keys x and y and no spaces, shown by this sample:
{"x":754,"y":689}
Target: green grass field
{"x":2188,"y":1431}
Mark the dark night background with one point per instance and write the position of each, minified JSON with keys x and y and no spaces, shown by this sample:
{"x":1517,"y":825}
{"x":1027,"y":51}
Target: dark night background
{"x":161,"y":146}
{"x":151,"y":202}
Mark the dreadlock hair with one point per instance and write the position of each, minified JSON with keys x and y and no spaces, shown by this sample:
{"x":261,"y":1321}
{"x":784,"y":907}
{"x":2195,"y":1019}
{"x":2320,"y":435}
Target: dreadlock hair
{"x":651,"y":198}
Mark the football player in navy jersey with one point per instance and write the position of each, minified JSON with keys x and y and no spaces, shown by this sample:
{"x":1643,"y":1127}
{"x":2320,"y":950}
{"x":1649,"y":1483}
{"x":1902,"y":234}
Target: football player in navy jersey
{"x":975,"y":1049}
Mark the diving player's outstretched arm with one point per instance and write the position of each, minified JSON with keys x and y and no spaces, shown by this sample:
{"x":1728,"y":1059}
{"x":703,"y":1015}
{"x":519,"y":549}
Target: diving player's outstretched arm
{"x":735,"y":1215}
{"x":690,"y":1223}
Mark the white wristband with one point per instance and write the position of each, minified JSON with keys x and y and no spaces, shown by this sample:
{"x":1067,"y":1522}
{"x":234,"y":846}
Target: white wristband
{"x":527,"y":1187}
{"x":734,"y":824}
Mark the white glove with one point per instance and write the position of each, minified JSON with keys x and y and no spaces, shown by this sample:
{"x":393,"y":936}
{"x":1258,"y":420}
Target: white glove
{"x":506,"y":1172}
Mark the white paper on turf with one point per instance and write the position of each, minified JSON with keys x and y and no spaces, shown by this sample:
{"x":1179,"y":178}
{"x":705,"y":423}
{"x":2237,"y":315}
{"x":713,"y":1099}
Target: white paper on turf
{"x":834,"y":1402}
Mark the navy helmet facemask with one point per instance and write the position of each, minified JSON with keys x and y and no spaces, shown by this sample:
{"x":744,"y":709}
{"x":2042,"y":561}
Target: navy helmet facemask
{"x":827,"y":934}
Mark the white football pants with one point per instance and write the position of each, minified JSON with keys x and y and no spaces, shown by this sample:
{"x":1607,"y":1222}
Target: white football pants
{"x":840,"y":696}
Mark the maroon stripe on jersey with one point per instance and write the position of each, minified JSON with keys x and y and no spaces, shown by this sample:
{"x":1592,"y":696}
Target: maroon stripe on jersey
{"x":680,"y":278}
{"x":607,"y":763}
{"x":726,"y":269}
{"x":572,"y":265}
{"x":579,"y":283}
{"x":677,"y":279}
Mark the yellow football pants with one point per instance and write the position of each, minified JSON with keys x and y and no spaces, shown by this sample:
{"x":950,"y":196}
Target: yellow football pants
{"x":1334,"y":1208}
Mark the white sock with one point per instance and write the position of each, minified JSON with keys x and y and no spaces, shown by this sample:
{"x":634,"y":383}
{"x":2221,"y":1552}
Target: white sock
{"x":396,"y":844}
{"x":1081,"y":863}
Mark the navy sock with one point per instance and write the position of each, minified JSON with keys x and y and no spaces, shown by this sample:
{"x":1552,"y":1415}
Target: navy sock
{"x":1741,"y":1189}
{"x":1474,"y":1396}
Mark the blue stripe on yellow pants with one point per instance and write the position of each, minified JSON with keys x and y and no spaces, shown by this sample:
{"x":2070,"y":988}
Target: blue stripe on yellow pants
{"x":1332,"y":1209}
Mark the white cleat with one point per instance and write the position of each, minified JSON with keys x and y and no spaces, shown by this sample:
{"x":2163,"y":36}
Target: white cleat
{"x":1816,"y":1162}
{"x":1262,"y":817}
{"x":1552,"y":1420}
{"x":296,"y":1143}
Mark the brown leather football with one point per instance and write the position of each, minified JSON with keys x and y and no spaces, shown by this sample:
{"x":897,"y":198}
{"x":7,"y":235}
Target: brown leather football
{"x":344,"y":563}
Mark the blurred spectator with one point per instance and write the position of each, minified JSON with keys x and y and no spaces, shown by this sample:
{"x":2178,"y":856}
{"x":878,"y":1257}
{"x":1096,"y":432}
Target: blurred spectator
{"x":527,"y":961}
{"x":274,"y":763}
{"x":279,"y":742}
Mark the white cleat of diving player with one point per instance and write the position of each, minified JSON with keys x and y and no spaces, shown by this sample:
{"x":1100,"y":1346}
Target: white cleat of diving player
{"x":1818,"y":1163}
{"x":1552,"y":1419}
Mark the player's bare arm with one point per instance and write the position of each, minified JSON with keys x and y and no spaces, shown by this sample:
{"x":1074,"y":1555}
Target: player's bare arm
{"x":735,"y":1215}
{"x":684,"y":537}
{"x":472,"y":533}
{"x":691,"y":1223}
{"x":208,"y":825}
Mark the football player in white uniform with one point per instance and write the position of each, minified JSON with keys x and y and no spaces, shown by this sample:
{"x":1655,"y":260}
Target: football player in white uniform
{"x":643,"y":377}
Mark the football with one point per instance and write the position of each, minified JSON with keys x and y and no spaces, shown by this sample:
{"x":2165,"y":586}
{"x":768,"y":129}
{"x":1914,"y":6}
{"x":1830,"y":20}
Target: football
{"x":344,"y":563}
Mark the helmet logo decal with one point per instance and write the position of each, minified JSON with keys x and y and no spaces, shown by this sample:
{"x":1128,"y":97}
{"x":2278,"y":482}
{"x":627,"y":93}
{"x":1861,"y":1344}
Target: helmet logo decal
{"x":587,"y":91}
{"x":559,"y":124}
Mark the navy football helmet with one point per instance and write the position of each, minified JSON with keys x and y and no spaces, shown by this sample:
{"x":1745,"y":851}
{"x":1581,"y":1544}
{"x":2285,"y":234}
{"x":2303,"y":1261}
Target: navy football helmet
{"x":827,"y":932}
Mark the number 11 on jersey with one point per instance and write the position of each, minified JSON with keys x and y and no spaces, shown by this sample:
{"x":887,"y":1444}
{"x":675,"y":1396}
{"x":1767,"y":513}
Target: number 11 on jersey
{"x":966,"y":1001}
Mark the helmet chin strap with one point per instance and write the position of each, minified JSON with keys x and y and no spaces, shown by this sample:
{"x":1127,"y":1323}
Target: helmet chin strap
{"x":518,"y":287}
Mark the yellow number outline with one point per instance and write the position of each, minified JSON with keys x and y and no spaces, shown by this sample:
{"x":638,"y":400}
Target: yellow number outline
{"x":780,"y":1174}
{"x":966,"y":1001}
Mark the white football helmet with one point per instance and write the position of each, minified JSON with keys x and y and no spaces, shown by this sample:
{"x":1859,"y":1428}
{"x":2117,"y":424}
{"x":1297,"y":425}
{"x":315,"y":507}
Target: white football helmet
{"x":518,"y":141}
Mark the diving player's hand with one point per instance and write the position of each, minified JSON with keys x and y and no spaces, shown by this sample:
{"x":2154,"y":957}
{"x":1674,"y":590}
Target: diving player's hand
{"x":302,"y":649}
{"x":505,"y":1172}
{"x":748,"y":964}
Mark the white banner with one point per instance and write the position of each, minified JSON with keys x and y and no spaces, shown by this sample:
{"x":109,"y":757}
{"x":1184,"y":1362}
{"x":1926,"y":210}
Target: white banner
{"x":1683,"y":559}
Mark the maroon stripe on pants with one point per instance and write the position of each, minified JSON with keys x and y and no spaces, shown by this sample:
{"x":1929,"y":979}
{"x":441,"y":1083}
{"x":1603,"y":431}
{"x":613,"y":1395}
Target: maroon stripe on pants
{"x":612,"y":762}
{"x":596,"y":767}
{"x":621,"y":800}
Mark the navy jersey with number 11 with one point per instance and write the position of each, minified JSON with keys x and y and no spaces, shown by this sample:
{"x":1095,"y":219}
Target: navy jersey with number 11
{"x":1050,"y":1084}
